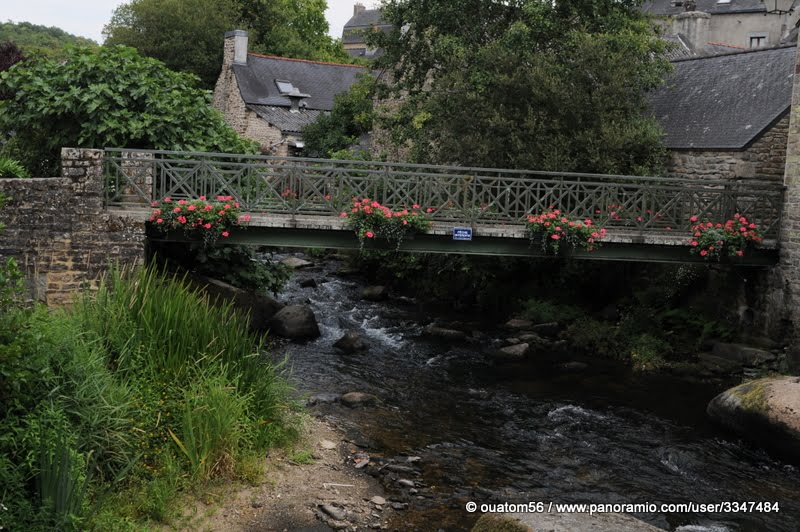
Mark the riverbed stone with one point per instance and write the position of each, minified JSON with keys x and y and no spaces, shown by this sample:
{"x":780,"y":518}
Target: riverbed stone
{"x":743,"y":354}
{"x":296,"y":263}
{"x":518,"y":324}
{"x":357,"y":399}
{"x":550,"y":329}
{"x":296,"y":322}
{"x":322,"y":399}
{"x":261,"y":307}
{"x":764,"y":411}
{"x":351,"y":342}
{"x":558,"y":522}
{"x":718,"y":365}
{"x":333,"y":511}
{"x":308,"y":283}
{"x":512,"y":352}
{"x":442,"y":332}
{"x":375,"y":293}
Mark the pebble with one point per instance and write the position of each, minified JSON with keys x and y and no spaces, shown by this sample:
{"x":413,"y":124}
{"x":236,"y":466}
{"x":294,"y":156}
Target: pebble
{"x":377,"y":499}
{"x":327,"y":444}
{"x":406,"y":483}
{"x":400,"y":505}
{"x":336,"y":513}
{"x":257,"y":504}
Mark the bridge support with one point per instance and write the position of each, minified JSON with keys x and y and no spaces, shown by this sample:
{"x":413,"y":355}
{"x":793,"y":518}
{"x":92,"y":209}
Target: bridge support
{"x":60,"y":234}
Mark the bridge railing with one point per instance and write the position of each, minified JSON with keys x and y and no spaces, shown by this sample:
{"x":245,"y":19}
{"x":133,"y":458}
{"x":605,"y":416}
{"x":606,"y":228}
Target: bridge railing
{"x":485,"y":196}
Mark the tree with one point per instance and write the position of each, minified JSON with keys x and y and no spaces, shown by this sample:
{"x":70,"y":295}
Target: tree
{"x":187,"y":34}
{"x":34,"y":39}
{"x":351,"y":117}
{"x":525,"y":83}
{"x":106,"y":97}
{"x":10,"y":55}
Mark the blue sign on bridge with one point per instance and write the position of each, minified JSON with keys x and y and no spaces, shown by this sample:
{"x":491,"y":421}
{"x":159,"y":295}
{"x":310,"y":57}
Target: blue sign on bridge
{"x":462,"y":233}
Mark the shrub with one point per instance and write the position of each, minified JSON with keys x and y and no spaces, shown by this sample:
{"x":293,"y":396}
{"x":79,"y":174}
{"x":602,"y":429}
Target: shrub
{"x":207,"y":219}
{"x":12,"y":168}
{"x":371,"y":220}
{"x":540,"y":311}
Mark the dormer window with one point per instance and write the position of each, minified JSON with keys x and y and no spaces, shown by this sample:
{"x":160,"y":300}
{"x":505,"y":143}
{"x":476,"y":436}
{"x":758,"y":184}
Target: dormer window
{"x":285,"y":87}
{"x":723,"y":1}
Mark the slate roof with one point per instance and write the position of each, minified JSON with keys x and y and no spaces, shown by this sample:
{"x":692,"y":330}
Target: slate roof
{"x":368,"y":17}
{"x":285,"y":120}
{"x":667,"y":7}
{"x":321,"y":81}
{"x":678,"y":48}
{"x":724,"y":101}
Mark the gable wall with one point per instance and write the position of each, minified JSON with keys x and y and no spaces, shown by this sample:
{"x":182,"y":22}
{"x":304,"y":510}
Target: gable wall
{"x":764,"y":159}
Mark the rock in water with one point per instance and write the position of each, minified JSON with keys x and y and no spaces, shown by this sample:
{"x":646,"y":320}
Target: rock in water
{"x":351,"y":342}
{"x":296,"y":263}
{"x":356,"y":399}
{"x":375,"y":293}
{"x":308,"y":283}
{"x":441,"y":332}
{"x":764,"y":411}
{"x":516,"y":324}
{"x":549,"y":330}
{"x":295,"y":321}
{"x":260,"y":307}
{"x":512,"y":352}
{"x":742,"y":354}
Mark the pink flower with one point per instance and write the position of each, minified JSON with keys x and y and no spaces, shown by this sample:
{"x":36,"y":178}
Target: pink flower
{"x":405,"y":222}
{"x":153,"y":204}
{"x":226,"y":234}
{"x":743,"y":220}
{"x":159,"y":221}
{"x":191,"y":207}
{"x":209,"y":207}
{"x":181,"y":202}
{"x":415,"y":206}
{"x":693,"y":219}
{"x":221,"y":213}
{"x":182,"y":219}
{"x":703,"y":253}
{"x":167,"y":200}
{"x":555,"y":237}
{"x":227,"y":206}
{"x":695,"y":243}
{"x":203,"y":198}
{"x":344,"y":215}
{"x":668,"y":228}
{"x":743,"y":229}
{"x":176,"y":209}
{"x":429,"y":210}
{"x":752,"y":226}
{"x":739,"y":252}
{"x":207,"y":226}
{"x":245,"y":218}
{"x":558,"y":228}
{"x":328,"y":197}
{"x":369,"y":234}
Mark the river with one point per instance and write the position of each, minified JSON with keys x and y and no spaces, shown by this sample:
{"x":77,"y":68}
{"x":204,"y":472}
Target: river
{"x":532,"y":431}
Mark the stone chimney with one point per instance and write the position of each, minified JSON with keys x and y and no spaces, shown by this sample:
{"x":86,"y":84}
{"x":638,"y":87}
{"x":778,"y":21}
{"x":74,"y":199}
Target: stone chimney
{"x":358,"y":8}
{"x":693,"y":27}
{"x":235,"y":48}
{"x":296,"y":98}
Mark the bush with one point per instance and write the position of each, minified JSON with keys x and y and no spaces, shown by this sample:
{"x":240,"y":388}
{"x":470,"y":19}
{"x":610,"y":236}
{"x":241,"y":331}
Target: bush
{"x":540,"y":311}
{"x":12,"y":168}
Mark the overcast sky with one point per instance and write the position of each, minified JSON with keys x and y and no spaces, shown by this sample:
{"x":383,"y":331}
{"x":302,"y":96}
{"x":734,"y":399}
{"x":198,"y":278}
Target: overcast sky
{"x":87,"y":17}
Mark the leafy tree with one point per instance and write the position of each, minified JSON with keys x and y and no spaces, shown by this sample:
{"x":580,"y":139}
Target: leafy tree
{"x":187,"y":34}
{"x":109,"y":96}
{"x":525,"y":83}
{"x":352,"y":116}
{"x":34,"y":39}
{"x":10,"y":54}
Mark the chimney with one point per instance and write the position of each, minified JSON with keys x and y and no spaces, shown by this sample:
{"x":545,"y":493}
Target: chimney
{"x":693,"y":27}
{"x":358,"y":8}
{"x":235,"y":48}
{"x":295,"y":97}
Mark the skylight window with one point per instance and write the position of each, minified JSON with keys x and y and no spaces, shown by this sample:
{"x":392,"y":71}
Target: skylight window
{"x":285,"y":87}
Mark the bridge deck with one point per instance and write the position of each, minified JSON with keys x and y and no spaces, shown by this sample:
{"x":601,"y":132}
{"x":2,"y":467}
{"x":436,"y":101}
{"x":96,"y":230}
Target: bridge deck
{"x":313,"y":231}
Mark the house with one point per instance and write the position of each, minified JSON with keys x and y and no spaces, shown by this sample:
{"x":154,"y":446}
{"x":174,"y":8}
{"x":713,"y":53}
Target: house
{"x":727,"y":116}
{"x":270,"y":99}
{"x":707,"y":27}
{"x":363,"y":22}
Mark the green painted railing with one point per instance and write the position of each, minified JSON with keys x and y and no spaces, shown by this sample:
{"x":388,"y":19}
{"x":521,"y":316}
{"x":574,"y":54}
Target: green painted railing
{"x":474,"y":196}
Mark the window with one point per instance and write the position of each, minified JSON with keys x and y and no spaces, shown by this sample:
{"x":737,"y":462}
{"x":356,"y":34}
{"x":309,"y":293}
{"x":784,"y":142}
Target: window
{"x":758,"y":40}
{"x":723,"y":1}
{"x":285,"y":87}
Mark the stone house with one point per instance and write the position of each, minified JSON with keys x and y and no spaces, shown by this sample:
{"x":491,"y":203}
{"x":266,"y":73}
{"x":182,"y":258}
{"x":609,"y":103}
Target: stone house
{"x":719,"y":26}
{"x":362,"y":22}
{"x":270,"y":99}
{"x":727,"y":116}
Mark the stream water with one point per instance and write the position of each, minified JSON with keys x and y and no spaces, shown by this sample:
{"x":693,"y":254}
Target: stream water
{"x":532,"y":431}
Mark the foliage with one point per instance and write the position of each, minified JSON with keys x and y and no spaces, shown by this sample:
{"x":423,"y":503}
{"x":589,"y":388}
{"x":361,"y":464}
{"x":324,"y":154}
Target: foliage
{"x":12,"y":168}
{"x":209,"y":219}
{"x":110,"y":96}
{"x":524,"y":84}
{"x":371,"y":220}
{"x":187,"y":34}
{"x":10,"y":55}
{"x":38,"y":40}
{"x":351,"y":117}
{"x":557,"y":229}
{"x":716,"y":240}
{"x":543,"y":311}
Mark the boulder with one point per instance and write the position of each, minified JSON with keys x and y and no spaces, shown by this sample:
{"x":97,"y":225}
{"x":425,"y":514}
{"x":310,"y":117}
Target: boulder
{"x":764,"y":411}
{"x":442,"y":332}
{"x":516,"y":324}
{"x":322,"y":399}
{"x":296,"y":263}
{"x":550,"y":330}
{"x":375,"y":293}
{"x":260,"y":307}
{"x":295,"y":321}
{"x":351,"y":342}
{"x":357,"y":399}
{"x":534,"y":340}
{"x":530,"y":522}
{"x":743,"y":354}
{"x":308,"y":283}
{"x":718,"y":365}
{"x":512,"y":352}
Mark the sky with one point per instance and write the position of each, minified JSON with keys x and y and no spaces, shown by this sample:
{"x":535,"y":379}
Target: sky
{"x":87,"y":17}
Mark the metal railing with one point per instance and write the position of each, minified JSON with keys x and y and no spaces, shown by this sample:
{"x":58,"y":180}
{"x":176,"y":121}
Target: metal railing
{"x":475,"y":196}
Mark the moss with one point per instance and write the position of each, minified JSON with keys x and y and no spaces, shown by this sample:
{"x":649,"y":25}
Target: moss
{"x":499,"y":523}
{"x":752,"y":396}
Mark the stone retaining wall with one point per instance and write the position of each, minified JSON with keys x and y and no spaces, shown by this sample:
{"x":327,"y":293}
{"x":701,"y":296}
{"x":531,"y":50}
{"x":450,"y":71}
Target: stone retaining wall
{"x":59,"y":233}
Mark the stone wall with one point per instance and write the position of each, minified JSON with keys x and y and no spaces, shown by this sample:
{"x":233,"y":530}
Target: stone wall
{"x":764,"y":159}
{"x":60,"y":234}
